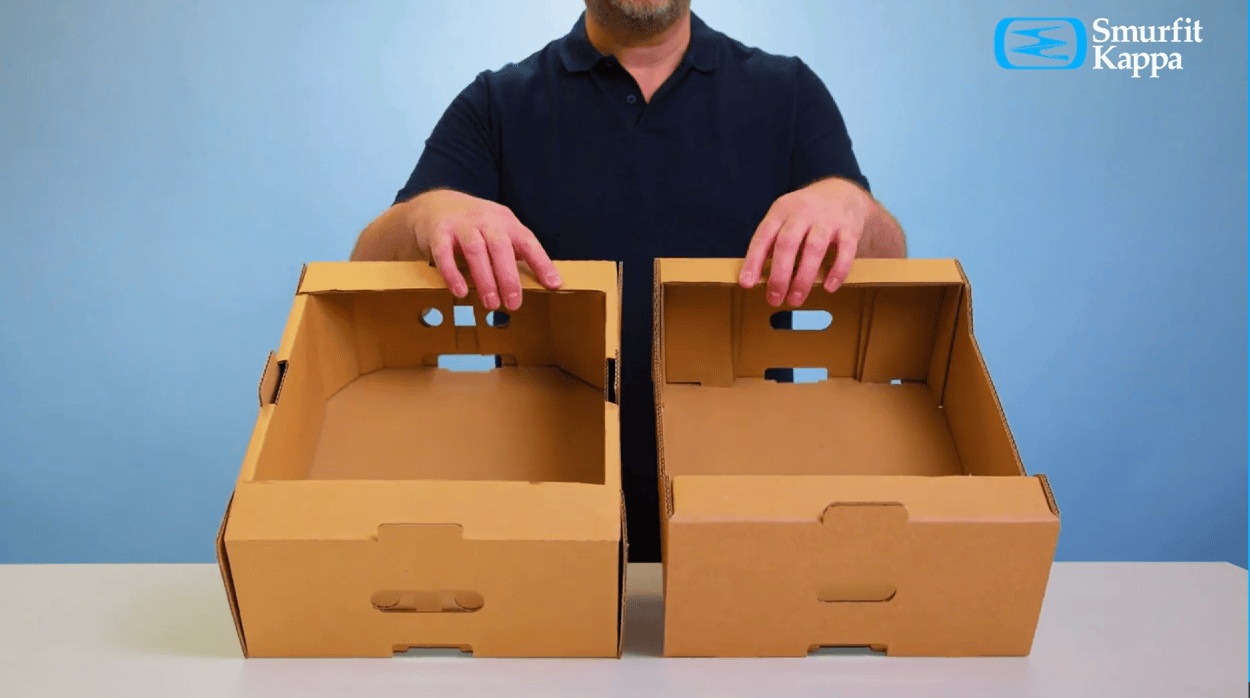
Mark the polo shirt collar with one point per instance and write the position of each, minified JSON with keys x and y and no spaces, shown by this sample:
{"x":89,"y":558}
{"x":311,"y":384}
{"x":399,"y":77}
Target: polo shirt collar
{"x":579,"y":55}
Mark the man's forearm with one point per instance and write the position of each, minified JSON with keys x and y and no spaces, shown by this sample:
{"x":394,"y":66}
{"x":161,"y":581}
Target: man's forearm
{"x":389,"y":237}
{"x":882,"y":236}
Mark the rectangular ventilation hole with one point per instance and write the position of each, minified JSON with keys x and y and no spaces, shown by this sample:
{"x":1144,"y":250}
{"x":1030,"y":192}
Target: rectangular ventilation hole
{"x":796,"y":375}
{"x":470,"y":363}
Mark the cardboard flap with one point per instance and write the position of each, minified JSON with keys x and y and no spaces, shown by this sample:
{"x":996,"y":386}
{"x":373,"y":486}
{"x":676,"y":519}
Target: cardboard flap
{"x":902,"y":335}
{"x":986,"y":446}
{"x":614,"y":340}
{"x":267,"y":389}
{"x":1050,"y":495}
{"x":623,"y":571}
{"x":699,"y":346}
{"x":223,"y":564}
{"x":813,"y":498}
{"x":329,"y":277}
{"x":863,"y":552}
{"x":844,"y":518}
{"x":576,"y":331}
{"x":484,"y":510}
{"x":873,"y":272}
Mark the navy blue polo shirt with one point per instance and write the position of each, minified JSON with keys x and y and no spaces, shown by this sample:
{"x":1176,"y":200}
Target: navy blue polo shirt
{"x":566,"y":141}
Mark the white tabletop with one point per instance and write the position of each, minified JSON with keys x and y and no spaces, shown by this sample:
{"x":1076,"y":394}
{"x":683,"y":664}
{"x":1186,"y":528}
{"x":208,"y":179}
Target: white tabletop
{"x":1107,"y":629}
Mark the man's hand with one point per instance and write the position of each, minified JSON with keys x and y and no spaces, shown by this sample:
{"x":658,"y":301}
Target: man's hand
{"x":829,"y":214}
{"x":489,"y":237}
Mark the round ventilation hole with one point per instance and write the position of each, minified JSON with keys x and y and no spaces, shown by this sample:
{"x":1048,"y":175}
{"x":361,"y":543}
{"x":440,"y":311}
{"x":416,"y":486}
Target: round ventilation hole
{"x":431,"y":317}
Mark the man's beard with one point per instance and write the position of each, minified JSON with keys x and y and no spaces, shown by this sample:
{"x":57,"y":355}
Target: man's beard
{"x":638,"y":17}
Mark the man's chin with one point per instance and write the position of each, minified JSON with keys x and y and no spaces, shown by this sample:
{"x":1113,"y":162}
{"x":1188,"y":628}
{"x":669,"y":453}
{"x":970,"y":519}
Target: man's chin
{"x":640,"y":17}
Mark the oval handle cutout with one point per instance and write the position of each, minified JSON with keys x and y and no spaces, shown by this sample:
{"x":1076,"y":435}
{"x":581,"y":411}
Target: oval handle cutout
{"x":440,"y":601}
{"x":801,"y":320}
{"x":856,"y":593}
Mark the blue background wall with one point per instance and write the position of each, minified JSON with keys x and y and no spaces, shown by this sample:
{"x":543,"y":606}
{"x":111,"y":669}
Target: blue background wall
{"x":166,"y":167}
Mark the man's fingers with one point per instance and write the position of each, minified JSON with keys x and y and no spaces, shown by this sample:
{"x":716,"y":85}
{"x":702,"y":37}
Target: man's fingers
{"x":473,"y":247}
{"x":757,"y":251}
{"x":527,"y":247}
{"x":785,"y":249}
{"x":443,"y":252}
{"x":503,"y":261}
{"x":815,"y":245}
{"x":842,"y":263}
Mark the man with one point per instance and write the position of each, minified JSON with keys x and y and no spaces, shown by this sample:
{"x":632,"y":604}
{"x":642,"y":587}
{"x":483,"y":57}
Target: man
{"x":643,"y":133}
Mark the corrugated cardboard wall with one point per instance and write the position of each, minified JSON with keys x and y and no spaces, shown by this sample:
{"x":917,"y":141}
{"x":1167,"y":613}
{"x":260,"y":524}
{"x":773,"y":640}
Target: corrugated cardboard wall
{"x":342,"y":336}
{"x":972,"y":410}
{"x":714,"y":333}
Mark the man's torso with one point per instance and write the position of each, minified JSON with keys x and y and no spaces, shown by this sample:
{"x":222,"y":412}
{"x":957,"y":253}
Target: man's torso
{"x":565,"y":140}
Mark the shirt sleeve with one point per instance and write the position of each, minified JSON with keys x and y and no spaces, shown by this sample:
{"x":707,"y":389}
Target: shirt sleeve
{"x":822,"y":147}
{"x":460,"y":153}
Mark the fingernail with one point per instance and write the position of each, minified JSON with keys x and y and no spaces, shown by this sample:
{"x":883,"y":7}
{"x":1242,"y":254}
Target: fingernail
{"x":514,"y":301}
{"x":460,"y":291}
{"x":796,"y":298}
{"x":774,"y":298}
{"x":491,"y":300}
{"x":554,"y":280}
{"x":748,"y":279}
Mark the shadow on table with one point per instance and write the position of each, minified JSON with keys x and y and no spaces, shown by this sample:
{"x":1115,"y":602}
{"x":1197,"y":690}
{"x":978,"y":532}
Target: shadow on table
{"x":180,"y":619}
{"x":644,"y":613}
{"x":183,"y":620}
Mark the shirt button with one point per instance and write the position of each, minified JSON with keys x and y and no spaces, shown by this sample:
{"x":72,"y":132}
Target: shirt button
{"x":631,"y":99}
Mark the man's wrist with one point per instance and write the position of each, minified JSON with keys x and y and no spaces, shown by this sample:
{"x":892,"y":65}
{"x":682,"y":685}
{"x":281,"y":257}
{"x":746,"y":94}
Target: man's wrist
{"x":859,"y":197}
{"x":848,"y":191}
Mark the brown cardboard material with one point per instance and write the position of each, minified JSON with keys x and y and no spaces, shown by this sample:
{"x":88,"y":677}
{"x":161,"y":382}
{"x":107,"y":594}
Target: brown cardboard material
{"x":385,"y":503}
{"x":885,"y":506}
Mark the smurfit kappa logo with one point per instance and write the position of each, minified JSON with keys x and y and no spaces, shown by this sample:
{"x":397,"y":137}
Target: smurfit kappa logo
{"x":1062,"y":43}
{"x":1040,"y":43}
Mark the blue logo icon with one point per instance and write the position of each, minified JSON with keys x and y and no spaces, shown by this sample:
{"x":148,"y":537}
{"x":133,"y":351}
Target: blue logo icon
{"x":1040,"y":43}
